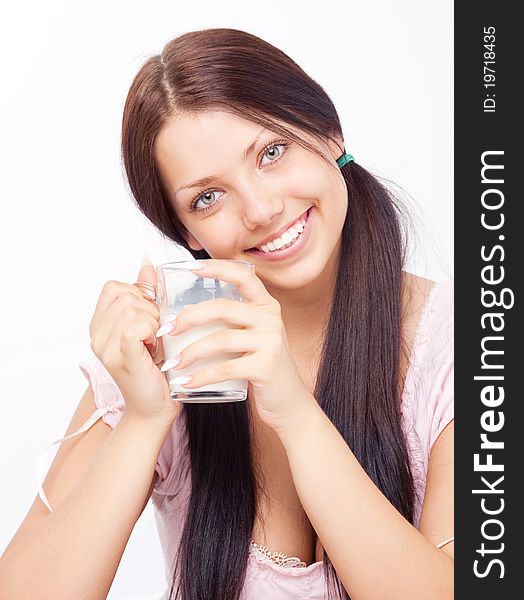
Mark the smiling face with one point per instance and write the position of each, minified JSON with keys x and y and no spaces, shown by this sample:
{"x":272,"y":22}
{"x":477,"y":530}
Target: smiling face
{"x":279,"y":197}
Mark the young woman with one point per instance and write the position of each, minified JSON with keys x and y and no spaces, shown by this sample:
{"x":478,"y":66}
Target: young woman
{"x":335,"y":477}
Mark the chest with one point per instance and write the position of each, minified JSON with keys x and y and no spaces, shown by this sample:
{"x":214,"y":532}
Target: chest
{"x":281,"y":524}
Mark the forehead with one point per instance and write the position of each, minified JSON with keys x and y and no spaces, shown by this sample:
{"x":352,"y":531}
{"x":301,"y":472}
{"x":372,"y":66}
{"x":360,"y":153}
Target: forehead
{"x":192,"y":145}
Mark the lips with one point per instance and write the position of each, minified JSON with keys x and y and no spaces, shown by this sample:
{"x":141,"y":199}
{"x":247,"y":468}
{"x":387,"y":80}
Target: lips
{"x":280,"y":231}
{"x":287,"y":252}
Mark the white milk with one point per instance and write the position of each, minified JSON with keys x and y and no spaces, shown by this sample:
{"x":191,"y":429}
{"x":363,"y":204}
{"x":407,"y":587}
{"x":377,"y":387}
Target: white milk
{"x":174,"y":344}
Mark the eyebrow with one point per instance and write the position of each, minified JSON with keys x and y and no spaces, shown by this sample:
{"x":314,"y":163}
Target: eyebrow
{"x":207,"y":180}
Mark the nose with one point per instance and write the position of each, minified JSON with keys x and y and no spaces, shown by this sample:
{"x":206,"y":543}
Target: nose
{"x":259,"y":209}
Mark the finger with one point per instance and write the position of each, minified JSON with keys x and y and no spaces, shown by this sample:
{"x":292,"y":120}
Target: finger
{"x":101,"y":326}
{"x":152,"y":345}
{"x":147,"y":273}
{"x":222,"y":310}
{"x":128,"y":335}
{"x":110,"y":292}
{"x":229,"y":341}
{"x":127,"y":300}
{"x":113,"y":289}
{"x":147,"y":276}
{"x":236,"y":368}
{"x":158,"y":356}
{"x":238,"y":274}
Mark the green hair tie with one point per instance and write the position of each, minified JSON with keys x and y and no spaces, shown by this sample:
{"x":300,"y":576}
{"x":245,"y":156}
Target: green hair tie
{"x":344,"y":159}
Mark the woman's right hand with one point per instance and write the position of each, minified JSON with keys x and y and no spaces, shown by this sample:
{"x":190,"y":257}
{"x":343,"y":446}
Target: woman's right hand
{"x":123,"y":321}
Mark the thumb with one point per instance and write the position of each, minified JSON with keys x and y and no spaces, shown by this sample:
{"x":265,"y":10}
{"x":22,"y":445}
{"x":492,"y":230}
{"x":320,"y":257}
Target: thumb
{"x":147,"y":273}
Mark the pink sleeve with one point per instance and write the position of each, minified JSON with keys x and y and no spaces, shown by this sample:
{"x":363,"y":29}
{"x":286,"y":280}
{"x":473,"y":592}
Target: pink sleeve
{"x":443,"y":392}
{"x":439,"y":366}
{"x":431,"y":392}
{"x":107,"y":395}
{"x":106,"y":392}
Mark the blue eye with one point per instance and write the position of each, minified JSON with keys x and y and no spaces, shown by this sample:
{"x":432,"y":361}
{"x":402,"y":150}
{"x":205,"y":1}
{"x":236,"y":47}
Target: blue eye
{"x":274,"y":151}
{"x":207,"y":200}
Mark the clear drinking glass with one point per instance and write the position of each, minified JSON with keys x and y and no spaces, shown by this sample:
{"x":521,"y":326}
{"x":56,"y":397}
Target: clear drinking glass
{"x":177,"y":287}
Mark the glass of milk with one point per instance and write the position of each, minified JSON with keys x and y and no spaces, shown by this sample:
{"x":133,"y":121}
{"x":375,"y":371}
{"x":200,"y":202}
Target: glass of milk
{"x":177,"y":287}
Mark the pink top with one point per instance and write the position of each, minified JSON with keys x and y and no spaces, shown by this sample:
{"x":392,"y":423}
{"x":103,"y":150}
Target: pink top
{"x":427,"y":407}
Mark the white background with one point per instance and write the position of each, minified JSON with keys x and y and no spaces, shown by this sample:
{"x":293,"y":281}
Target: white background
{"x":68,"y":224}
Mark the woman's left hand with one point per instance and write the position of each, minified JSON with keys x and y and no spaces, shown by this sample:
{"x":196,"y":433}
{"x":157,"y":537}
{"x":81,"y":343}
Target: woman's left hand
{"x":257,"y":332}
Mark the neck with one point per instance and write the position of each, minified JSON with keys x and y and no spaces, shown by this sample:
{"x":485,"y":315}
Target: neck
{"x":306,"y":311}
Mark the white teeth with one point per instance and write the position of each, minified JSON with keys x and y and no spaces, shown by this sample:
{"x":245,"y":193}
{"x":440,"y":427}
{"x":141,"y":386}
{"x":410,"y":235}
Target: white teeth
{"x":285,"y":239}
{"x":279,"y":243}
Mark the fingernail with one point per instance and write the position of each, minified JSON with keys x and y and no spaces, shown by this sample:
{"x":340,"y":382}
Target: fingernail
{"x":172,"y":362}
{"x":146,"y":261}
{"x":180,"y":380}
{"x":166,"y":328}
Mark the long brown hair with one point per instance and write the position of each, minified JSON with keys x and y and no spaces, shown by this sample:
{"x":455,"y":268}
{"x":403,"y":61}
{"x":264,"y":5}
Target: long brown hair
{"x":357,"y":384}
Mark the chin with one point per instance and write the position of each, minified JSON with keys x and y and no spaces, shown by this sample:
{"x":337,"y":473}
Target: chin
{"x":294,"y":277}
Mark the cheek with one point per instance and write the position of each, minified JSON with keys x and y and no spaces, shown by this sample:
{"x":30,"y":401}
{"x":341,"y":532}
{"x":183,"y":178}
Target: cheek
{"x":332,"y":192}
{"x":217,"y":245}
{"x":316,"y":182}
